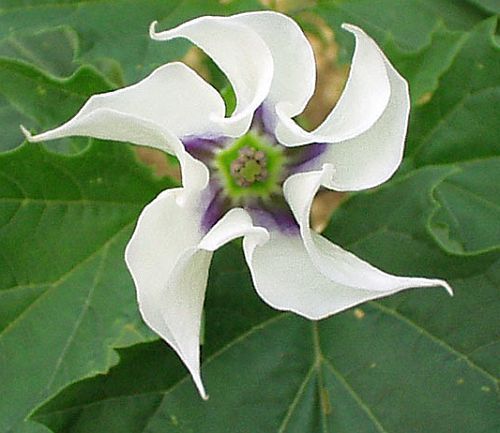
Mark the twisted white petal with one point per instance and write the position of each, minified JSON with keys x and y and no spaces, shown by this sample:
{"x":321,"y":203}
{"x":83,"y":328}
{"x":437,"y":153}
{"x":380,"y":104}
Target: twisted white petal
{"x":285,"y":277}
{"x":163,"y":100}
{"x":169,"y":257}
{"x":294,"y":67}
{"x":372,"y":157}
{"x":332,"y":261}
{"x":154,"y":112}
{"x":170,"y":274}
{"x":240,"y":53}
{"x":308,"y":274}
{"x":363,"y":101}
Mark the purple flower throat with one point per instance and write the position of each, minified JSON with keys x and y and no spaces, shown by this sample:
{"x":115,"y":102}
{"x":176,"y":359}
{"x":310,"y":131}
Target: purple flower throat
{"x":249,"y":172}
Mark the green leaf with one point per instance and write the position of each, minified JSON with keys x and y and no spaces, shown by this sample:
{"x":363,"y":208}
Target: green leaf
{"x":66,"y":299}
{"x":422,"y":69}
{"x":398,"y":224}
{"x":420,"y":37}
{"x":468,"y":220}
{"x":488,"y":5}
{"x":39,"y":101}
{"x":409,"y":23}
{"x":382,"y":367}
{"x":114,"y":29}
{"x":31,"y":427}
{"x":51,"y":49}
{"x":461,"y":122}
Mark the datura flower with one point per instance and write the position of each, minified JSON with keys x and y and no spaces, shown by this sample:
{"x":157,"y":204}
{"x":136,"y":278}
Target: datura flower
{"x":253,"y":174}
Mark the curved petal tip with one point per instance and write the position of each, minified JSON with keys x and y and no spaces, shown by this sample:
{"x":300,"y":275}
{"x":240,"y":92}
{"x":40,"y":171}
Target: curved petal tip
{"x":440,"y":283}
{"x":200,"y":387}
{"x":350,"y":27}
{"x":26,"y":133}
{"x":447,"y":287}
{"x":152,"y":29}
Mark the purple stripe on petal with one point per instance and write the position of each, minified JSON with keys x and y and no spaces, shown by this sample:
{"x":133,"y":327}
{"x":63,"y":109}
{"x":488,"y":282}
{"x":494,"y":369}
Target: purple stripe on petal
{"x":203,"y":148}
{"x":285,"y":221}
{"x":274,"y":219}
{"x":263,"y":120}
{"x":303,"y":157}
{"x":217,"y":206}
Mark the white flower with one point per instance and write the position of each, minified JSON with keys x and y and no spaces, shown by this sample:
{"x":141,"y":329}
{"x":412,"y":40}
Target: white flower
{"x":249,"y":175}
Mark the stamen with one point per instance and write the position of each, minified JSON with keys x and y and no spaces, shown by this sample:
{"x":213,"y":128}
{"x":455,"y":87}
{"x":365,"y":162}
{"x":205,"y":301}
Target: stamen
{"x":249,"y":167}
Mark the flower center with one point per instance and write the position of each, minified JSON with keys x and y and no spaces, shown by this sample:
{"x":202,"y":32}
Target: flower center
{"x":250,"y":167}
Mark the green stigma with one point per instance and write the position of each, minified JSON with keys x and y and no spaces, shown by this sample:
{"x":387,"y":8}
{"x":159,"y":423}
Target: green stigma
{"x":250,"y":167}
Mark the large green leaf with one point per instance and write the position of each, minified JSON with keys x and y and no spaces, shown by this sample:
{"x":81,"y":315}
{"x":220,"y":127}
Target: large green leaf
{"x":66,"y":299}
{"x":420,"y":361}
{"x":113,"y":29}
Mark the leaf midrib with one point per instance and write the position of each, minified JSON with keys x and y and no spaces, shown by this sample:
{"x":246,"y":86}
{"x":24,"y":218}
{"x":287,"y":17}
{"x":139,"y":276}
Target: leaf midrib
{"x":329,"y":364}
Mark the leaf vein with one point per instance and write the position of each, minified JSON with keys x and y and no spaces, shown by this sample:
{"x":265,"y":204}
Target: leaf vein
{"x":487,"y":202}
{"x":398,"y":316}
{"x":80,"y":317}
{"x":444,"y":117}
{"x":355,"y":396}
{"x":63,"y":277}
{"x":296,"y":399}
{"x":214,"y":356}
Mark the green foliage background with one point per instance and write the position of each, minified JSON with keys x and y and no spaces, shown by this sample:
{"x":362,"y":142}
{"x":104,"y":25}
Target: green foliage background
{"x":74,"y":354}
